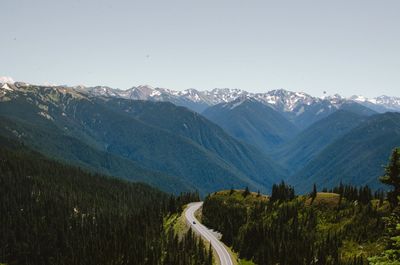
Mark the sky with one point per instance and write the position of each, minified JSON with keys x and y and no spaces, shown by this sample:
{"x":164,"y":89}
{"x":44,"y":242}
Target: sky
{"x":343,"y":46}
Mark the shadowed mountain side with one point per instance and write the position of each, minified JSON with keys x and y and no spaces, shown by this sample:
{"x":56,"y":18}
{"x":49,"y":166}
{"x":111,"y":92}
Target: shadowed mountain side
{"x":356,"y":158}
{"x":252,"y":122}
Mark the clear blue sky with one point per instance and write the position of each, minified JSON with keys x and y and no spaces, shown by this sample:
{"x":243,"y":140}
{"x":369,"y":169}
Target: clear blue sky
{"x":344,"y":46}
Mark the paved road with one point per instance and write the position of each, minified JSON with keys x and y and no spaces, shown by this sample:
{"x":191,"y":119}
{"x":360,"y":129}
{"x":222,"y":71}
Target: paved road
{"x":223,"y":254}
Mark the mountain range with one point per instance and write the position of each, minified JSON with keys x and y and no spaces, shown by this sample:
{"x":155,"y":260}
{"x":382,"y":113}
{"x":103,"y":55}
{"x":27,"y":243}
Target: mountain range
{"x":157,"y":142}
{"x":280,"y":99}
{"x":205,"y":140}
{"x":299,"y":108}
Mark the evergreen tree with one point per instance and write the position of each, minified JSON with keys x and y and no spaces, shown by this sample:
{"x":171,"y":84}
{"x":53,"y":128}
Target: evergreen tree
{"x":51,"y":213}
{"x":392,"y":177}
{"x":313,"y":194}
{"x":246,"y":192}
{"x":282,"y":192}
{"x":391,"y":256}
{"x":289,"y":231}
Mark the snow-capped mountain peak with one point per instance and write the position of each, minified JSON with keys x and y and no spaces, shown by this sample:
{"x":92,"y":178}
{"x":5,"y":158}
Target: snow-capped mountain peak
{"x":280,"y":99}
{"x":192,"y":94}
{"x":285,"y":100}
{"x":143,"y":92}
{"x":388,"y":101}
{"x":219,"y":95}
{"x":335,"y":100}
{"x":358,"y":98}
{"x":384,"y":103}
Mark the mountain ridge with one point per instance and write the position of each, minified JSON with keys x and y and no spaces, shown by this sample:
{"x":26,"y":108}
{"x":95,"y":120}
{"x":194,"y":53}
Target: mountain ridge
{"x":243,"y":143}
{"x":285,"y":101}
{"x":107,"y":125}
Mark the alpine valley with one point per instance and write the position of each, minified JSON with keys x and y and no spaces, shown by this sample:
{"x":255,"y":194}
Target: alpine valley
{"x":205,"y":140}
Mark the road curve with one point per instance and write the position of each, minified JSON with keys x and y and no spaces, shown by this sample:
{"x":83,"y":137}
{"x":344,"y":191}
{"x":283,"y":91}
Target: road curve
{"x":218,"y":246}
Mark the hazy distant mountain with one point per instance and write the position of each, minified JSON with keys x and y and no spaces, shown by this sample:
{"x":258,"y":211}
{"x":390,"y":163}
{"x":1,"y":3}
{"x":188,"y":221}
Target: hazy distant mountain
{"x":253,"y":122}
{"x":379,"y":104}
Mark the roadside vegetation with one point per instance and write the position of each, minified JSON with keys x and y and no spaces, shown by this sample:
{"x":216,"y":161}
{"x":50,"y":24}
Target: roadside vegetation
{"x":345,"y":225}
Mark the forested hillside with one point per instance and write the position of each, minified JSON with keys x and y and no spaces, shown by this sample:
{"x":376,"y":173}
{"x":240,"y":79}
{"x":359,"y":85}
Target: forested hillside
{"x":355,"y":158}
{"x":331,"y":230}
{"x":56,"y":214}
{"x":346,"y":225}
{"x":310,"y":142}
{"x":159,"y":143}
{"x":252,"y":122}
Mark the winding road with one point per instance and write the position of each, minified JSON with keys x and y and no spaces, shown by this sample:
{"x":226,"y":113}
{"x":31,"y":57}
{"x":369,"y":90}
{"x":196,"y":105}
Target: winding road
{"x":223,"y":254}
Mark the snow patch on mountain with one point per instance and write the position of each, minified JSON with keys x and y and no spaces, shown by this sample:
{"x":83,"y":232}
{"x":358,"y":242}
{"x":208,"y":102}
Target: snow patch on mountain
{"x":5,"y":86}
{"x":389,"y":103}
{"x":280,"y":99}
{"x":336,"y":100}
{"x":219,"y":95}
{"x":284,"y":100}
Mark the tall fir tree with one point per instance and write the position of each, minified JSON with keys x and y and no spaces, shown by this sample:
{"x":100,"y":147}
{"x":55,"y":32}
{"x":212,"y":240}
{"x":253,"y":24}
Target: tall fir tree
{"x":392,"y":177}
{"x":313,"y":194}
{"x":246,"y":192}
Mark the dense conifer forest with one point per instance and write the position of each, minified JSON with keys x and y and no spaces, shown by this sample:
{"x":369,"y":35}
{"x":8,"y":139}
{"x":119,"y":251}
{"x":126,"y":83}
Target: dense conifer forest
{"x":343,"y":226}
{"x":52,"y":213}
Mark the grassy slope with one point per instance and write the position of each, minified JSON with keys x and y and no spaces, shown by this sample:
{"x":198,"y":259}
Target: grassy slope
{"x":326,"y":205}
{"x":329,"y":201}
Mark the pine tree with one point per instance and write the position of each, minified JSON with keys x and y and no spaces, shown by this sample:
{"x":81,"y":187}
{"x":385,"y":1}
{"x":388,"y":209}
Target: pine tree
{"x":392,"y":177}
{"x":313,"y":194}
{"x":246,"y":192}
